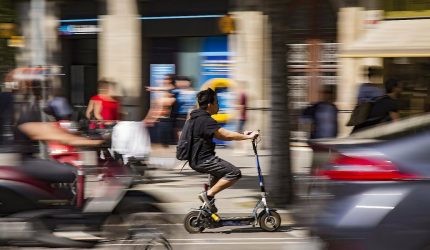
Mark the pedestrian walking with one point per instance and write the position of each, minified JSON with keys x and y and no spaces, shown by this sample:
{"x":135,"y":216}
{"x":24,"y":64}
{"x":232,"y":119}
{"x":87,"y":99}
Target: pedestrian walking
{"x":385,"y":108}
{"x":372,"y":88}
{"x":185,"y":101}
{"x":103,"y":106}
{"x":160,"y":118}
{"x":322,"y":117}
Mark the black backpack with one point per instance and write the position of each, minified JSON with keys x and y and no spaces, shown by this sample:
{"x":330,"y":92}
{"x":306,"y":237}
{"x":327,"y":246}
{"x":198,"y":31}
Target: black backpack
{"x":361,"y":112}
{"x":188,"y":146}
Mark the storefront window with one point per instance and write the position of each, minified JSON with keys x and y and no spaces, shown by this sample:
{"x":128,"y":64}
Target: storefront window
{"x":312,"y":67}
{"x":406,"y":5}
{"x":406,"y":8}
{"x":414,"y":75}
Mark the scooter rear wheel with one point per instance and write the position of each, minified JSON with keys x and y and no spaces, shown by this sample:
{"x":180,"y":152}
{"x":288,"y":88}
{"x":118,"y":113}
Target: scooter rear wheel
{"x":191,"y":223}
{"x":270,"y":222}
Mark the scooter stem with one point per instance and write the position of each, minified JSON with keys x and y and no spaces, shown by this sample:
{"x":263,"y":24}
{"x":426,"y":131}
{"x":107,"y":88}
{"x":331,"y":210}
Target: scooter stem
{"x":254,"y":146}
{"x":260,"y":175}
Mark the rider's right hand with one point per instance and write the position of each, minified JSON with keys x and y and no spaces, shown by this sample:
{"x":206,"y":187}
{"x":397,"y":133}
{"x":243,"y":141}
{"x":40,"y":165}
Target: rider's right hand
{"x":252,"y":134}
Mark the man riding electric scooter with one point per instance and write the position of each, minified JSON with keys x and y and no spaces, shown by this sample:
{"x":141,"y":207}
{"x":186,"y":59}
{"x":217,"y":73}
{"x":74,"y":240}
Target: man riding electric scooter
{"x":205,"y":128}
{"x":196,"y":146}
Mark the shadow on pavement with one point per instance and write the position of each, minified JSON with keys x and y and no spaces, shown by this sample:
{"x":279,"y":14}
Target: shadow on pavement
{"x":248,"y":230}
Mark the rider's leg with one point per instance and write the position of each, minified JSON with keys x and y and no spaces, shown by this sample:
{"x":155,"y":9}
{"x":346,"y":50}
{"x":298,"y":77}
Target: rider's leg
{"x":212,"y":180}
{"x":224,"y":175}
{"x":220,"y":185}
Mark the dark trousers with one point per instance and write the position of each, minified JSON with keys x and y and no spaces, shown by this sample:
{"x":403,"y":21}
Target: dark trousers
{"x":48,"y":170}
{"x":166,"y":131}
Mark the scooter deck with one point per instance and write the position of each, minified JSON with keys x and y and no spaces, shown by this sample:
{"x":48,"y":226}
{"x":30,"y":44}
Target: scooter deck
{"x":247,"y":218}
{"x":236,"y":221}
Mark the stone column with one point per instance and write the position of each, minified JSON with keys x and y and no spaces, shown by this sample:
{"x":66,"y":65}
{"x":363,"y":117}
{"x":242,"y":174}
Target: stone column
{"x":120,"y":53}
{"x":248,"y":70}
{"x":350,"y":27}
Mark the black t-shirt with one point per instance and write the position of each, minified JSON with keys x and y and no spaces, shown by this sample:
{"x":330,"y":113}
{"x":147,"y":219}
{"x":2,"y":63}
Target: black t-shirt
{"x":28,"y":113}
{"x":204,"y":127}
{"x":382,"y":108}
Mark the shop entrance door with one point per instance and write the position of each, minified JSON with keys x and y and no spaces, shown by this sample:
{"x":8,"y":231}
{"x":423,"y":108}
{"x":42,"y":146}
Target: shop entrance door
{"x":83,"y":84}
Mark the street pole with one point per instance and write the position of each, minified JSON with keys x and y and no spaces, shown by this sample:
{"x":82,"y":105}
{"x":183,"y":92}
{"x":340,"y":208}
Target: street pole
{"x":37,"y":43}
{"x":38,"y":53}
{"x":281,"y":178}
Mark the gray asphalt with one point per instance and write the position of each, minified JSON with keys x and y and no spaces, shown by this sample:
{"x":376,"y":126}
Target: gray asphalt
{"x":246,"y":238}
{"x":237,"y":238}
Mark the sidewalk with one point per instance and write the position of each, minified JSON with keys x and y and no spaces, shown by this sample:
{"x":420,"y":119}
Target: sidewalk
{"x":179,"y":190}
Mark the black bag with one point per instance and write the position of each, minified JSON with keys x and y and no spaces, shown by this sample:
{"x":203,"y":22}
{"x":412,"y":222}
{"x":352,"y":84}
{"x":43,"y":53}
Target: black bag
{"x":183,"y":150}
{"x":361,"y":112}
{"x":188,"y":146}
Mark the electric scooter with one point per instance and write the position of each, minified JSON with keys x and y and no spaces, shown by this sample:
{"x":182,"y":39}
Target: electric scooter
{"x":267,"y":218}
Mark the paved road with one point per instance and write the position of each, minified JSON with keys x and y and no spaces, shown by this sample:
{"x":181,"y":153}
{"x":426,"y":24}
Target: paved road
{"x":245,"y":238}
{"x":239,"y":238}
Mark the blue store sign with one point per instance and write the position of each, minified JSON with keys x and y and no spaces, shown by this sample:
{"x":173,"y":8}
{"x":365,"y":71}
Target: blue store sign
{"x":215,"y":74}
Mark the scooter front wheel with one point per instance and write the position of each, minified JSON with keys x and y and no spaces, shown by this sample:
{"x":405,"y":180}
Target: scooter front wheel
{"x":192,"y":224}
{"x":270,"y":222}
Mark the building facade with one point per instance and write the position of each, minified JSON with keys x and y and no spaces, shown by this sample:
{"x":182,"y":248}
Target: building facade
{"x":390,"y":34}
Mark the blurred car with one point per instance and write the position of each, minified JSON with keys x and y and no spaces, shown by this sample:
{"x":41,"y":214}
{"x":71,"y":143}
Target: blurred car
{"x":373,"y":188}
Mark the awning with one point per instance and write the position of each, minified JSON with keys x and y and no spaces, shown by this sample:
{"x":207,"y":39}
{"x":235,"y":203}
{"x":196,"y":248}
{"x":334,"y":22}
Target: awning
{"x":392,"y":38}
{"x":26,"y":74}
{"x":22,"y":74}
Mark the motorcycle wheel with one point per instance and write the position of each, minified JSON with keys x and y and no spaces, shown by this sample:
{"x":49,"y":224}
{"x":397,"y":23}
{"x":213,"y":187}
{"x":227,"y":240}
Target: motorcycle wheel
{"x":145,"y":243}
{"x":131,"y":213}
{"x":191,"y":223}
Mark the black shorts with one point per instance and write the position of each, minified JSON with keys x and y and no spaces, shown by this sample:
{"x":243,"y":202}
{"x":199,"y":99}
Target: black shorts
{"x":219,"y":168}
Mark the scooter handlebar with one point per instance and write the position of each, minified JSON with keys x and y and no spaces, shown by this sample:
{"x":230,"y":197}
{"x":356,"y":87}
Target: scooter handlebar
{"x":256,"y":136}
{"x":254,"y":140}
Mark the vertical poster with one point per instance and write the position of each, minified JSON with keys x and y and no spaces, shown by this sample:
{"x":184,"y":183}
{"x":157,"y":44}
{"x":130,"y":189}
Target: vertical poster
{"x":215,"y":73}
{"x":158,"y":73}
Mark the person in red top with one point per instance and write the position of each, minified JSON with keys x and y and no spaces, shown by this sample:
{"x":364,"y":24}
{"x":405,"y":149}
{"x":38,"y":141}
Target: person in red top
{"x":242,"y":111}
{"x":103,"y":106}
